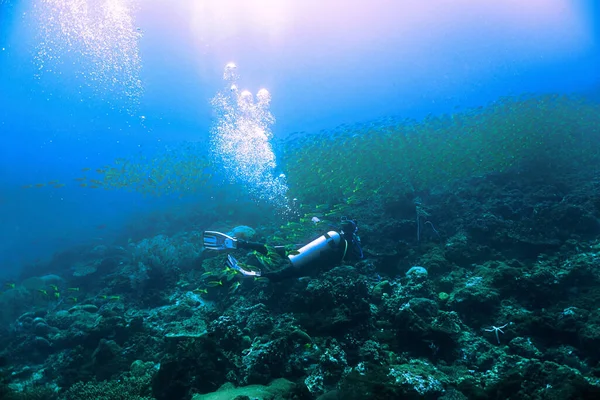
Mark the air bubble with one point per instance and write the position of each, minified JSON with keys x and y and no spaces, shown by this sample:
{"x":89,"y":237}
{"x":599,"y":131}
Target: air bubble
{"x":230,"y":73}
{"x":240,"y":142}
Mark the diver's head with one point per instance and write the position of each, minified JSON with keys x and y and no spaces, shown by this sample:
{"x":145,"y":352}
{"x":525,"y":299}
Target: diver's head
{"x":349,"y":226}
{"x":349,"y":229}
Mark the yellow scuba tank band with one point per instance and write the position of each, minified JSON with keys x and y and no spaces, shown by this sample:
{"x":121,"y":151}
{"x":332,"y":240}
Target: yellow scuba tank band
{"x":345,"y":249}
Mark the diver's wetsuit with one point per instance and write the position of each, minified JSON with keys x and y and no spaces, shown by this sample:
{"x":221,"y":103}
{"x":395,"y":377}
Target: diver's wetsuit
{"x":330,"y":248}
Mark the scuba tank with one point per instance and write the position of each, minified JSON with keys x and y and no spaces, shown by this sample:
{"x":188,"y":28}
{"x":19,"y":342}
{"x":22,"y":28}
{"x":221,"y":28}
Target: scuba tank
{"x":325,"y":246}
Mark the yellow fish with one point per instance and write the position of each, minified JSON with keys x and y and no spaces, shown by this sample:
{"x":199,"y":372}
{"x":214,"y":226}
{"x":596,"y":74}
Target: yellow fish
{"x":206,"y":275}
{"x":234,"y":287}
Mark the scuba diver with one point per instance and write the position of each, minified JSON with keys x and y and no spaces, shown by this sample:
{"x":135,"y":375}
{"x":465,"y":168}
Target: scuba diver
{"x":329,"y":248}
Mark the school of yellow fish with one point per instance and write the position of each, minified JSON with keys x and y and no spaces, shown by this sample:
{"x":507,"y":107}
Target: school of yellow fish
{"x":356,"y":163}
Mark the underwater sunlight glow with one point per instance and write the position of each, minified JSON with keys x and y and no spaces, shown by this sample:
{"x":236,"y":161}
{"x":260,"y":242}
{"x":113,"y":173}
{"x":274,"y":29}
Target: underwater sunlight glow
{"x":307,"y":199}
{"x":92,"y":81}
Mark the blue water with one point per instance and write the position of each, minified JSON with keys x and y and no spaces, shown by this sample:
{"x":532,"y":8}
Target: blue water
{"x":333,"y":64}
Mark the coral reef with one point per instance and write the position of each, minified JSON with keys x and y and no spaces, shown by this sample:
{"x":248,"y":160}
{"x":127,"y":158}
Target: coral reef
{"x":483,"y":287}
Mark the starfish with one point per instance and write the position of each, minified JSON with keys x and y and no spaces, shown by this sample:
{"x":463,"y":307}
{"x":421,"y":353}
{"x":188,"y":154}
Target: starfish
{"x":497,"y":329}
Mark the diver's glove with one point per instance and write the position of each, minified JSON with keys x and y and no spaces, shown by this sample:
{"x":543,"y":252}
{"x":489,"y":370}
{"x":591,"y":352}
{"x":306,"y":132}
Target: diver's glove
{"x":218,"y":241}
{"x":233,"y":264}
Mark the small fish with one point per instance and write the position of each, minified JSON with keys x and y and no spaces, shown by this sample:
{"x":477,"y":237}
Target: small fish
{"x":200,"y":291}
{"x":43,"y":291}
{"x":80,"y":179}
{"x":73,"y":289}
{"x":293,"y":253}
{"x":56,"y":295}
{"x":59,"y":185}
{"x":72,"y":299}
{"x":261,"y":279}
{"x":229,"y":273}
{"x":83,"y":184}
{"x":114,"y":298}
{"x":27,"y":186}
{"x":52,"y":182}
{"x":206,"y":275}
{"x":85,"y":169}
{"x":234,"y":287}
{"x":230,"y":276}
{"x":214,"y":283}
{"x":103,"y":297}
{"x":39,"y":185}
{"x":10,"y":285}
{"x":54,"y":287}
